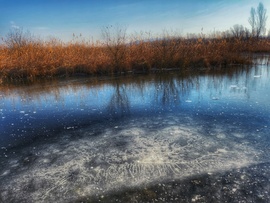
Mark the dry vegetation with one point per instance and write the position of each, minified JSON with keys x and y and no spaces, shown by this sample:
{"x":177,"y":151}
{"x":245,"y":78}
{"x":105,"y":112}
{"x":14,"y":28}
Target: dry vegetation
{"x":23,"y":56}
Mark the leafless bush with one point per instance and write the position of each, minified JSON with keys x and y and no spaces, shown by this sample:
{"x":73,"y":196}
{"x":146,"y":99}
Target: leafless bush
{"x":115,"y":40}
{"x":16,"y":38}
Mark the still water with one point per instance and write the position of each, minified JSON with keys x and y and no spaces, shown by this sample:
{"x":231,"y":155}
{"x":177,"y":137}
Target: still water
{"x":148,"y":138}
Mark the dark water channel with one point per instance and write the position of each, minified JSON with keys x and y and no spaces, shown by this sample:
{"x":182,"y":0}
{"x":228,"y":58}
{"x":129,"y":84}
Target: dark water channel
{"x":145,"y":138}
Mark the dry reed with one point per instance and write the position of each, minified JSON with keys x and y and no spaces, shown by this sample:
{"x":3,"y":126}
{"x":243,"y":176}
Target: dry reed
{"x":37,"y":59}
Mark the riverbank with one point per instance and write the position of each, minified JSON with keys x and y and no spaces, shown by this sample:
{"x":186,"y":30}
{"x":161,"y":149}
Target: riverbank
{"x":35,"y":59}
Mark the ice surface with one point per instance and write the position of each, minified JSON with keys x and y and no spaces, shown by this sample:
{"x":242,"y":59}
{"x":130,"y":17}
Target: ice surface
{"x":87,"y":143}
{"x":85,"y":163}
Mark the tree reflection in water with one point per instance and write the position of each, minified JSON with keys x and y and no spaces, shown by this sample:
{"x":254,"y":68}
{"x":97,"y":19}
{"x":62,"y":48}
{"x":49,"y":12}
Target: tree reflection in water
{"x":119,"y":102}
{"x":80,"y":102}
{"x":170,"y":90}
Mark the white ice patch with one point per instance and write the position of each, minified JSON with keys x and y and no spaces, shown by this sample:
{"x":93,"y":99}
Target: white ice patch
{"x":119,"y":158}
{"x":215,"y":98}
{"x":5,"y":173}
{"x":233,"y":86}
{"x":221,"y":136}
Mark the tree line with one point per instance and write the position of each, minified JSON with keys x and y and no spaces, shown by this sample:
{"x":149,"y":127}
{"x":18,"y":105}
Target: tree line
{"x":257,"y":21}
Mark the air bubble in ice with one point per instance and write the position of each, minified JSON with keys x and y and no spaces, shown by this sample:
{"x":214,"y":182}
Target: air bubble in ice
{"x":233,"y":86}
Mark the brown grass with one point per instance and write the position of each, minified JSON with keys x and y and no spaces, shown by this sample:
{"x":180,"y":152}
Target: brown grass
{"x":37,"y":59}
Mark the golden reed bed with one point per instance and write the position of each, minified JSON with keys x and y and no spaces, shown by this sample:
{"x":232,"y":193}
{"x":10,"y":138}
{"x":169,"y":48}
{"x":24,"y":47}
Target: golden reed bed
{"x":30,"y":58}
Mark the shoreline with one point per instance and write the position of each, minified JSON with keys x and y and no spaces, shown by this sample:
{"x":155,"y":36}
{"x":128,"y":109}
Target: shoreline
{"x":187,"y":72}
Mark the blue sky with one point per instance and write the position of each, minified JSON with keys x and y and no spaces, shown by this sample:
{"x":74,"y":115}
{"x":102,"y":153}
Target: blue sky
{"x":62,"y":18}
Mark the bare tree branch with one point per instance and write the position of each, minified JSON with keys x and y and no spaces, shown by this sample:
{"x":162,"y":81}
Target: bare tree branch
{"x":257,"y":20}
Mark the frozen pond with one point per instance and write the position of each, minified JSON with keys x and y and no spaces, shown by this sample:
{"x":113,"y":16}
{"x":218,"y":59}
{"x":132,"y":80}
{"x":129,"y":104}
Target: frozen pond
{"x":148,"y":138}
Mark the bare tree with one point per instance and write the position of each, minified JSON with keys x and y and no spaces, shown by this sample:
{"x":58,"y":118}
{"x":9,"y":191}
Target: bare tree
{"x":247,"y":33}
{"x":252,"y":20}
{"x":226,"y":34}
{"x":261,"y":20}
{"x":257,"y":20}
{"x":238,"y":31}
{"x":16,"y":37}
{"x":115,"y":41}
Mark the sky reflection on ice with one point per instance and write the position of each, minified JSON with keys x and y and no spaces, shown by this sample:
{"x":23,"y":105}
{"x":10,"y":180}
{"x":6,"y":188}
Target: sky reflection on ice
{"x":89,"y":138}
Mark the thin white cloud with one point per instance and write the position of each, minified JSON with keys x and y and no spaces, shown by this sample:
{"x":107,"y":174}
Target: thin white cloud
{"x":14,"y":25}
